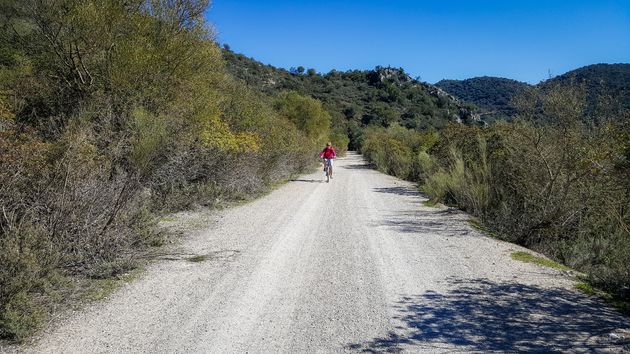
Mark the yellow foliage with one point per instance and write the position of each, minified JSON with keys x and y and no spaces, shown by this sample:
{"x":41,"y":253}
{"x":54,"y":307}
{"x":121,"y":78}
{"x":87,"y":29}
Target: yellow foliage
{"x":150,"y":133}
{"x":217,"y":135}
{"x":5,"y":112}
{"x":306,"y":113}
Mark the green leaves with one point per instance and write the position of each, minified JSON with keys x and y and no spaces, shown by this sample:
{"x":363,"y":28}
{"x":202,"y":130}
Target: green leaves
{"x":546,"y":180}
{"x":150,"y":133}
{"x":112,"y":111}
{"x":306,"y":113}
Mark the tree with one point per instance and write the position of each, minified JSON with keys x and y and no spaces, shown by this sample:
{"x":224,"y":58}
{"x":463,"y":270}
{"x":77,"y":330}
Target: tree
{"x":306,"y":113}
{"x":300,"y":70}
{"x":311,"y":72}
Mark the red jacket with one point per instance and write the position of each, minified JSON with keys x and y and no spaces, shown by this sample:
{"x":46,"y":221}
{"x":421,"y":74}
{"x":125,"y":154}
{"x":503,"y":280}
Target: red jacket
{"x":328,"y":153}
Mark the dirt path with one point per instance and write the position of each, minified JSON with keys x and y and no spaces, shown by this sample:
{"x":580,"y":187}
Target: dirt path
{"x":358,"y":264}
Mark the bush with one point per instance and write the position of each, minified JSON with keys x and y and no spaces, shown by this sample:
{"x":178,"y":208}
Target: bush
{"x":306,"y":113}
{"x":126,"y":114}
{"x":544,"y":181}
{"x":340,"y":142}
{"x":396,"y":150}
{"x":20,"y":315}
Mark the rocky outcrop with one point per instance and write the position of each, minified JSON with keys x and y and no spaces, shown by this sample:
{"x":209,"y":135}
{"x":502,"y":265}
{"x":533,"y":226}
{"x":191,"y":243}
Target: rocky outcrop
{"x":381,"y":74}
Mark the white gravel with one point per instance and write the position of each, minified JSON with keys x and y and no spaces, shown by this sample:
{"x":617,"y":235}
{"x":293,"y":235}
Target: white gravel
{"x":358,"y":264}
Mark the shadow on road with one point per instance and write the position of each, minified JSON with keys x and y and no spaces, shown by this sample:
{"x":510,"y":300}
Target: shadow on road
{"x":436,"y":222}
{"x":363,"y":166}
{"x":308,"y":180}
{"x":481,"y":315}
{"x":399,"y":191}
{"x":417,"y":225}
{"x":413,"y":220}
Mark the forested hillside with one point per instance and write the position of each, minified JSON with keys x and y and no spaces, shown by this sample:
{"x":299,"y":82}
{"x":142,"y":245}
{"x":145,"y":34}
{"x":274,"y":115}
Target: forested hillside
{"x":607,"y":87}
{"x":493,"y":95}
{"x":604,"y":85}
{"x":356,"y":99}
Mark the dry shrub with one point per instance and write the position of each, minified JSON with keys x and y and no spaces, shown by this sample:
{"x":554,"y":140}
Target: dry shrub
{"x":546,"y":181}
{"x":125,"y":113}
{"x":63,"y":210}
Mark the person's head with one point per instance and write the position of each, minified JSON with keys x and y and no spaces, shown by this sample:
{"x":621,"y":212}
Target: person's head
{"x":328,"y":144}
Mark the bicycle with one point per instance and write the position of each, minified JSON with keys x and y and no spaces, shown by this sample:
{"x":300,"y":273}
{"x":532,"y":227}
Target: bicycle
{"x":328,"y":169}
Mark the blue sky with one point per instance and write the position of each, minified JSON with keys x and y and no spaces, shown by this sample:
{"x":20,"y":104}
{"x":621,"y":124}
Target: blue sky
{"x":439,"y":39}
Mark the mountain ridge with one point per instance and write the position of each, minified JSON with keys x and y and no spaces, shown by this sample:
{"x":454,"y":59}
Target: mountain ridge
{"x":388,"y":95}
{"x":493,"y":95}
{"x":359,"y":98}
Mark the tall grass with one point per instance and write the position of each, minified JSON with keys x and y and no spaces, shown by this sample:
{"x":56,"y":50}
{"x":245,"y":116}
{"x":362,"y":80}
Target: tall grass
{"x":546,"y":181}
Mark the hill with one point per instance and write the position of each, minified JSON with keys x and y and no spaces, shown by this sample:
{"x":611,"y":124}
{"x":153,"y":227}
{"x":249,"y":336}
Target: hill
{"x":356,"y":99}
{"x":492,"y":95}
{"x":604,"y":83}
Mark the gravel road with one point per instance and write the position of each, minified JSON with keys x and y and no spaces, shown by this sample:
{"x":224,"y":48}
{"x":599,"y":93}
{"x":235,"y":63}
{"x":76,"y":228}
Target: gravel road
{"x":355,"y":265}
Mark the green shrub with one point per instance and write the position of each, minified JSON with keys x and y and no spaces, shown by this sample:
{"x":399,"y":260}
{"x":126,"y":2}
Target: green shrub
{"x":20,"y":316}
{"x":340,"y":142}
{"x":126,"y":114}
{"x":544,"y":181}
{"x":306,"y":113}
{"x":436,"y":186}
{"x":27,"y":258}
{"x":150,"y":134}
{"x":395,"y":150}
{"x":424,"y":166}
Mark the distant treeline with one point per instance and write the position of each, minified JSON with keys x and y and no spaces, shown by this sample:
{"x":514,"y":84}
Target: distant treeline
{"x":358,"y":98}
{"x":605,"y":84}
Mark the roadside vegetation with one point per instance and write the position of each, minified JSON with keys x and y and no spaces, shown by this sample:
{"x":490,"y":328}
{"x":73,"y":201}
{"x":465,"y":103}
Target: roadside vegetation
{"x":493,"y":95}
{"x":114,"y":113}
{"x":111,"y":114}
{"x":548,"y":180}
{"x":542,"y":261}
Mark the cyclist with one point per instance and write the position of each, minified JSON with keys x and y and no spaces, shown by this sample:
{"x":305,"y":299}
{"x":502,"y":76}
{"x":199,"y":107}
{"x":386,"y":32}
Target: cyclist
{"x":328,"y":154}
